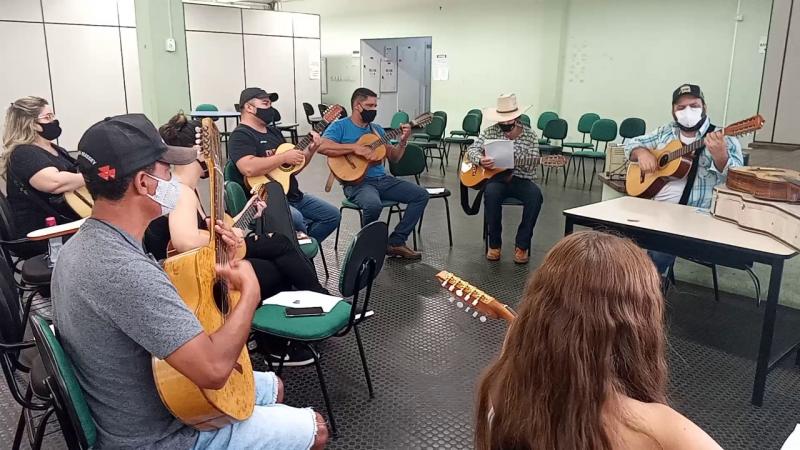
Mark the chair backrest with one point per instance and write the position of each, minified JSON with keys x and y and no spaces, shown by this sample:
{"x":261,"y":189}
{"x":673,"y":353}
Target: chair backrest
{"x":556,"y":129}
{"x":545,"y":117}
{"x":235,"y":198}
{"x":476,"y":111}
{"x":206,"y":107}
{"x":604,"y":130}
{"x":231,"y":173}
{"x":12,"y":329}
{"x":525,"y":119}
{"x":343,"y":114}
{"x":411,"y":164}
{"x":435,"y":129}
{"x":7,"y":231}
{"x":632,"y":127}
{"x":237,"y":107}
{"x":74,"y":415}
{"x":308,"y":109}
{"x":369,"y":244}
{"x":443,"y":115}
{"x":586,"y":121}
{"x":322,"y":108}
{"x":399,"y":118}
{"x":472,"y":124}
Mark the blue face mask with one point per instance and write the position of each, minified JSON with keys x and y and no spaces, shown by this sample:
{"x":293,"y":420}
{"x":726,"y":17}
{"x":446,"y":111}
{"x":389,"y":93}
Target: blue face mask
{"x":167,"y":193}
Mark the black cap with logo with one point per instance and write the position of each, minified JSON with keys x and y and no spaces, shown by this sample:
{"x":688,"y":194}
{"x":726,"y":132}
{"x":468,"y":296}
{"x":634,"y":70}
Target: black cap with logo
{"x":255,"y":92}
{"x":118,"y":146}
{"x":687,"y":89}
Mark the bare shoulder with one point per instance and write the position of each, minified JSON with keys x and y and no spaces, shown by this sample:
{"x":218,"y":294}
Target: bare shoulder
{"x":670,"y":428}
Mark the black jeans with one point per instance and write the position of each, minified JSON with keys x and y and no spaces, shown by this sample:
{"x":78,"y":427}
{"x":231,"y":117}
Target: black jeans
{"x":498,"y":189}
{"x":279,"y":266}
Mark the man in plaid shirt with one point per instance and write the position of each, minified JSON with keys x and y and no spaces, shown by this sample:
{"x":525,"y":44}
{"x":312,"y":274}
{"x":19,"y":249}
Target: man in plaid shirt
{"x":691,"y":123}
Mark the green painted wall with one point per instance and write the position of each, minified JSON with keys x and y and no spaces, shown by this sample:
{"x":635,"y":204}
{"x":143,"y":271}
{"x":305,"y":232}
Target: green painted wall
{"x":165,"y":77}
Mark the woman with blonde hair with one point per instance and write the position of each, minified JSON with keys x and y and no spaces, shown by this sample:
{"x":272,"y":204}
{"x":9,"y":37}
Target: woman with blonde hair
{"x":37,"y":171}
{"x":583,"y":365}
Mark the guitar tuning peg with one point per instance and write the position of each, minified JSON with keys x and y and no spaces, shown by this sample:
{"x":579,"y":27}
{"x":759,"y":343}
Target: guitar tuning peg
{"x":444,"y":283}
{"x":459,"y":304}
{"x":475,"y":314}
{"x":482,"y":319}
{"x":467,"y":309}
{"x":459,"y":292}
{"x":452,"y":288}
{"x":451,"y":298}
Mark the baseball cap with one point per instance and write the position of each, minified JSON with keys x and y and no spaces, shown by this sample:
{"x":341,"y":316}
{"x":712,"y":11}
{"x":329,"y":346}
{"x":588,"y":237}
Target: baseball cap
{"x":687,"y":89}
{"x":255,"y":92}
{"x":118,"y":146}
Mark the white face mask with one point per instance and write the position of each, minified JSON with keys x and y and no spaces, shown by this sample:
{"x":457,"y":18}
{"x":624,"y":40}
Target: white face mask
{"x":167,"y":193}
{"x":689,"y":117}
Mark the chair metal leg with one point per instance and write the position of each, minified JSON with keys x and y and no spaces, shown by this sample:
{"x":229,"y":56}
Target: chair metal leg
{"x":566,"y":171}
{"x":21,"y":424}
{"x":324,"y":262}
{"x":757,"y":285}
{"x":449,"y":229}
{"x":324,"y":388}
{"x":37,"y":442}
{"x":716,"y":281}
{"x":338,"y":227}
{"x":594,"y":171}
{"x":364,"y":362}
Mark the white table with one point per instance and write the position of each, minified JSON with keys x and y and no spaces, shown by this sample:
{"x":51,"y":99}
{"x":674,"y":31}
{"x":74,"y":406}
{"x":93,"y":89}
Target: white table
{"x":688,"y":232}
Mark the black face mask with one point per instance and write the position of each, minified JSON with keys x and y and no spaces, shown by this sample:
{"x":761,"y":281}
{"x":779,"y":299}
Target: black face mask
{"x":266,"y":115}
{"x":506,"y":127}
{"x":368,"y":115}
{"x":50,"y":130}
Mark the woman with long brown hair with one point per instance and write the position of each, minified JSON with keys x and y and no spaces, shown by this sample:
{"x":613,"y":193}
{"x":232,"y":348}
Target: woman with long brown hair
{"x":583,"y":365}
{"x":37,"y":171}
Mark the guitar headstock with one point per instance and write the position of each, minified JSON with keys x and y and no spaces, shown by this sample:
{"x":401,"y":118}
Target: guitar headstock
{"x":746,"y":126}
{"x":332,"y":113}
{"x":474,"y":300}
{"x":209,"y":143}
{"x":422,"y":120}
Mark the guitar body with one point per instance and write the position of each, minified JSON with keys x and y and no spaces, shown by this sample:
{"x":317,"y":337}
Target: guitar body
{"x":474,"y":175}
{"x":642,"y":185}
{"x":766,"y":183}
{"x":281,"y":174}
{"x":352,"y":168}
{"x":194,"y":277}
{"x":80,"y":201}
{"x":240,"y":252}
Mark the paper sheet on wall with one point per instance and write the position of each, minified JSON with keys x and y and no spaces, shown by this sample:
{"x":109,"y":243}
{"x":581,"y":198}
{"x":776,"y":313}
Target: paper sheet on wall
{"x":502,"y":151}
{"x":303,"y":299}
{"x":441,"y":71}
{"x":314,"y":67}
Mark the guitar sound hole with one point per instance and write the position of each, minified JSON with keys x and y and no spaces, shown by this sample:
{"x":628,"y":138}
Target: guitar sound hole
{"x":221,"y":297}
{"x":663,"y":161}
{"x":286,"y":167}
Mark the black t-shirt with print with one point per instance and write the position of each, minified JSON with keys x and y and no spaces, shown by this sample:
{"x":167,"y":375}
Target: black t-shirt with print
{"x":246,"y":141}
{"x":29,"y":214}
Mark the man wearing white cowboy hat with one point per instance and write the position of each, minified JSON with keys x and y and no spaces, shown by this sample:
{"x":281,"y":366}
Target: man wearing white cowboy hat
{"x":517,"y":183}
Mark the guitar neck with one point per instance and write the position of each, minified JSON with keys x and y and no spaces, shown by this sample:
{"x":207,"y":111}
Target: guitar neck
{"x":306,"y":141}
{"x":689,"y":148}
{"x":386,"y":138}
{"x":246,"y":217}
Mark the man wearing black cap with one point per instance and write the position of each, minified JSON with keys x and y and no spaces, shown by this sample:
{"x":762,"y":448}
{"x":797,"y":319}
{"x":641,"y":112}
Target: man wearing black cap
{"x":710,"y":164}
{"x":114,"y":307}
{"x":251,"y":147}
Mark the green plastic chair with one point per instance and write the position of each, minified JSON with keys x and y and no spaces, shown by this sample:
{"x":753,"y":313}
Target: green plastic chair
{"x":394,"y":208}
{"x":208,"y":107}
{"x":464,"y":138}
{"x":525,"y":119}
{"x":231,"y":173}
{"x":541,"y":123}
{"x":632,"y":127}
{"x":584,"y":127}
{"x":362,"y":263}
{"x":434,"y":134}
{"x":555,"y":130}
{"x":235,"y":198}
{"x":464,"y":132}
{"x":605,"y":131}
{"x":425,"y":136}
{"x":413,"y":164}
{"x":72,"y":411}
{"x":399,"y":118}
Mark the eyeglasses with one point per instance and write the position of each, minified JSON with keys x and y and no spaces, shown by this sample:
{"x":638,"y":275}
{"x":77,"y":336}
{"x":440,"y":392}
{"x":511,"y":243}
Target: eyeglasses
{"x":48,"y":117}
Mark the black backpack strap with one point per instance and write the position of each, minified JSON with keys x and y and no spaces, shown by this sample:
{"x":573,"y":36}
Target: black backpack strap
{"x":687,"y":190}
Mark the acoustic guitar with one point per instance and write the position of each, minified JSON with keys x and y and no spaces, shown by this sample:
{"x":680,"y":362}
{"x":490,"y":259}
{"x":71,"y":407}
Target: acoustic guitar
{"x":283,"y":173}
{"x":352,"y":168}
{"x":674,"y":160}
{"x":766,"y":183}
{"x":473,"y":300}
{"x":208,"y":297}
{"x":474,"y":175}
{"x":80,"y":201}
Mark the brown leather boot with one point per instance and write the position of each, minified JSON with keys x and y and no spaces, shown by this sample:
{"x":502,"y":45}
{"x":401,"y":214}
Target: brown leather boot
{"x":521,"y":256}
{"x":493,"y":254}
{"x":402,"y":251}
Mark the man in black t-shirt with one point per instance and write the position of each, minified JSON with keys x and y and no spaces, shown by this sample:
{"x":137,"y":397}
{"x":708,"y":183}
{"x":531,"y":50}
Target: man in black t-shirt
{"x":252,"y":149}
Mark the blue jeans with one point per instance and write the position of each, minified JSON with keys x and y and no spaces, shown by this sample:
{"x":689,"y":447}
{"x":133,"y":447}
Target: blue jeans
{"x":314,"y":216}
{"x":526,"y":191}
{"x":663,"y":261}
{"x":272,"y":425}
{"x":370,"y":193}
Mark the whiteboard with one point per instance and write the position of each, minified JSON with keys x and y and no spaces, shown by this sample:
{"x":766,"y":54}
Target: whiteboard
{"x":28,"y":52}
{"x":87,"y":12}
{"x":266,"y":67}
{"x":86,"y":73}
{"x":130,"y":67}
{"x":216,"y":69}
{"x":307,"y":89}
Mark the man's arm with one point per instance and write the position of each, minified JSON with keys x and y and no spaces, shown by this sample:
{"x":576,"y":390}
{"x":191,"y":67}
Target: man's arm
{"x":330,"y":148}
{"x":395,"y":152}
{"x":645,"y":142}
{"x":253,"y":166}
{"x":475,"y":151}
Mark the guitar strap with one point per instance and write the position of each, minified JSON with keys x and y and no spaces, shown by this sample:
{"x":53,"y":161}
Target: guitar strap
{"x":687,"y":190}
{"x":475,"y":207}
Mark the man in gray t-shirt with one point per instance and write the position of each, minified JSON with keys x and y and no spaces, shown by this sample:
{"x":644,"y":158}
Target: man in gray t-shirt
{"x":115,"y":308}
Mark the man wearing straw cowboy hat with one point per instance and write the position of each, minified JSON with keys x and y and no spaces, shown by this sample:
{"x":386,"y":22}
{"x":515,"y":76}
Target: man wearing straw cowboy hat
{"x":517,"y":182}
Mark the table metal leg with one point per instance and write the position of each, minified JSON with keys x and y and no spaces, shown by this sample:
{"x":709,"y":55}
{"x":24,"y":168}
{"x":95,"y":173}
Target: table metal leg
{"x":767,"y":331}
{"x":568,"y":226}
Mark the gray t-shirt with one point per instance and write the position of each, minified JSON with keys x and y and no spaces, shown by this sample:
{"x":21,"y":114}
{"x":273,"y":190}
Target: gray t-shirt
{"x":114,"y":307}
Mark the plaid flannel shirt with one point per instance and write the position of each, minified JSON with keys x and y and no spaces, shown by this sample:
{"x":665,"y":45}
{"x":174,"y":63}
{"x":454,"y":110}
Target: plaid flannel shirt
{"x":526,"y":145}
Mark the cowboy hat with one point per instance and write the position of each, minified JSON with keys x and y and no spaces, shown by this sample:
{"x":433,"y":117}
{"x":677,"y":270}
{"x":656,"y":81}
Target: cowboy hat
{"x":507,"y":109}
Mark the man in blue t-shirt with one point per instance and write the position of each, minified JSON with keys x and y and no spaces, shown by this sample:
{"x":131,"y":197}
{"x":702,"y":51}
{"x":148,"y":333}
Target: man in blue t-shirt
{"x":340,"y":139}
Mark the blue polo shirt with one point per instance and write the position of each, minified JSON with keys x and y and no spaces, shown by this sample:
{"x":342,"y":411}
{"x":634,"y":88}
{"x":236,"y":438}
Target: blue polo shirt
{"x":344,"y":131}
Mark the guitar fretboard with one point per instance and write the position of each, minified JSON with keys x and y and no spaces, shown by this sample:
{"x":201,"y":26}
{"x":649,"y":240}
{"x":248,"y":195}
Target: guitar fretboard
{"x":318,"y":127}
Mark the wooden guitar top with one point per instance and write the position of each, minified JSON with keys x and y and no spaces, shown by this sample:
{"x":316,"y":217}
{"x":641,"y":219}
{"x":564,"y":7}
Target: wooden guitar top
{"x":766,"y":183}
